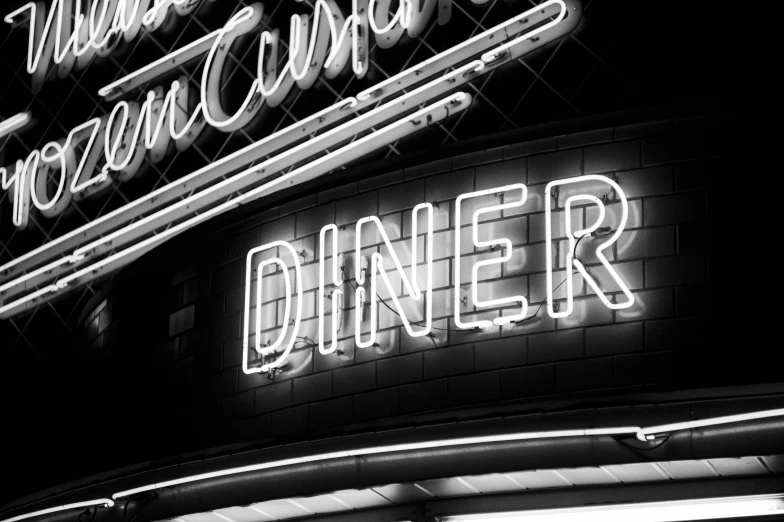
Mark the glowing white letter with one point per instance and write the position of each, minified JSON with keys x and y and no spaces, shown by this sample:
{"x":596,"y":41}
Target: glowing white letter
{"x":241,"y":23}
{"x":337,"y":294}
{"x":573,"y":236}
{"x":411,"y":285}
{"x":265,"y":350}
{"x":507,"y":255}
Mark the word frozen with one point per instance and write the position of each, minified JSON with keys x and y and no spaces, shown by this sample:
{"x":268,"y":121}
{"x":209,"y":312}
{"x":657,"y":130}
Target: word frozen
{"x":113,"y":147}
{"x":322,"y":41}
{"x":418,"y":285}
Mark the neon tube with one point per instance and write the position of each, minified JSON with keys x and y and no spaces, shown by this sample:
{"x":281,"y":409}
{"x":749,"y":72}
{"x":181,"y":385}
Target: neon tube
{"x":377,"y":450}
{"x":572,"y":236}
{"x":413,"y":72}
{"x":411,"y":285}
{"x":647,"y":434}
{"x":507,"y":255}
{"x":467,"y":441}
{"x":153,"y":70}
{"x":67,"y":17}
{"x":226,"y":187}
{"x":337,"y":294}
{"x":402,"y":17}
{"x":101,"y":502}
{"x":486,"y":39}
{"x":182,"y":186}
{"x":174,"y":190}
{"x":204,"y":44}
{"x":14,"y":123}
{"x":271,"y":349}
{"x":530,"y":36}
{"x":668,"y":511}
{"x":293,"y":155}
{"x":452,"y":104}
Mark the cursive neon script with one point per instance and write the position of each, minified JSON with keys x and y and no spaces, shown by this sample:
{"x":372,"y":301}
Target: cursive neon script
{"x":113,"y":146}
{"x":70,"y":38}
{"x":324,"y":40}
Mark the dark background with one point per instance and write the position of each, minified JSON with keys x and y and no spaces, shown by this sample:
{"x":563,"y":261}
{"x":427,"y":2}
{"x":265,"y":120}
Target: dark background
{"x":67,"y":413}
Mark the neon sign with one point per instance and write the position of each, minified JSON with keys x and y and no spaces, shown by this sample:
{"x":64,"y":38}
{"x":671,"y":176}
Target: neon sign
{"x":515,"y":196}
{"x":502,"y":242}
{"x":79,"y":37}
{"x":115,"y":145}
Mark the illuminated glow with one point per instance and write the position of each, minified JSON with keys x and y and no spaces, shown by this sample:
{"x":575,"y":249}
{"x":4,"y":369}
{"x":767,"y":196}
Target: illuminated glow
{"x":241,"y":23}
{"x":270,"y":349}
{"x":38,"y":180}
{"x":377,"y":450}
{"x":167,"y":193}
{"x":338,"y":32}
{"x":328,"y":23}
{"x":435,"y":112}
{"x":573,"y":236}
{"x":101,"y":502}
{"x":95,"y":129}
{"x":284,"y":159}
{"x":46,"y":268}
{"x":154,"y":69}
{"x":155,"y":16}
{"x":78,"y":36}
{"x":646,"y":434}
{"x":362,"y":299}
{"x":504,"y":243}
{"x":667,"y":511}
{"x":21,"y":187}
{"x":401,"y":18}
{"x":337,"y":294}
{"x":96,"y":123}
{"x":151,"y":117}
{"x":411,"y":285}
{"x":450,"y":105}
{"x":488,"y":39}
{"x":112,"y":130}
{"x":14,"y":123}
{"x":510,"y":46}
{"x":324,"y":12}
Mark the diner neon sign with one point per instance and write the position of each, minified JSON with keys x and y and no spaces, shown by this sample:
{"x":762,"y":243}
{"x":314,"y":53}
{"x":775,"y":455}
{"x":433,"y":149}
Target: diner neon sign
{"x":515,"y":196}
{"x":113,"y":147}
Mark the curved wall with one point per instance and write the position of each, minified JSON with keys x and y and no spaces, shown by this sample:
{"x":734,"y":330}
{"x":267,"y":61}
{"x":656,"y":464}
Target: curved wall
{"x":162,"y":376}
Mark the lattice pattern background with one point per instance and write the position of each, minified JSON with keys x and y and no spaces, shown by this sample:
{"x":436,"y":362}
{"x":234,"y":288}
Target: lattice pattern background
{"x":605,"y":65}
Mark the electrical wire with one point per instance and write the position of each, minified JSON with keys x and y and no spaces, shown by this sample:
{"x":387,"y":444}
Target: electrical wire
{"x":574,"y":251}
{"x":88,"y":512}
{"x":542,"y":303}
{"x":574,"y":255}
{"x":395,"y":311}
{"x":138,"y":510}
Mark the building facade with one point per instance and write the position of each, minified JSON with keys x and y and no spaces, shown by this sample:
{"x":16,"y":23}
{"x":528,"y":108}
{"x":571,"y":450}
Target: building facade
{"x":442,"y":261}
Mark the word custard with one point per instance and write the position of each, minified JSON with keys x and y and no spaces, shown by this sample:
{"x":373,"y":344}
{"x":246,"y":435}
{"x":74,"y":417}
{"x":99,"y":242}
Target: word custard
{"x":372,"y":276}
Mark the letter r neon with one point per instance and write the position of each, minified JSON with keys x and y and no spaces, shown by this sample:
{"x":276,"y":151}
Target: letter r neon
{"x":574,"y":235}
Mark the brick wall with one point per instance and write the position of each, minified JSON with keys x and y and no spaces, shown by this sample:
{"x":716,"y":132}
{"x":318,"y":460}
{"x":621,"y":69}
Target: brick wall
{"x":663,"y":255}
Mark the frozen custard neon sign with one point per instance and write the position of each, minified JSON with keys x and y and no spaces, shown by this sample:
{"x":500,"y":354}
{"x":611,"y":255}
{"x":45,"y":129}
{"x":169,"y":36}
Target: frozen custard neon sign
{"x":418,"y":285}
{"x":111,"y":149}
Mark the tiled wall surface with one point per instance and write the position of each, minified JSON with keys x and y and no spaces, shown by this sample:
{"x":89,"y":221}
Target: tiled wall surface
{"x":662,"y":255}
